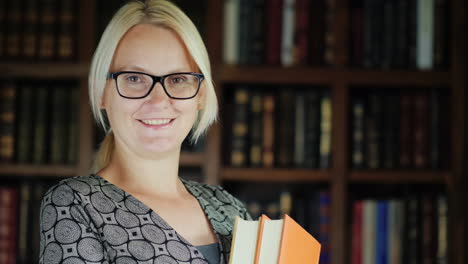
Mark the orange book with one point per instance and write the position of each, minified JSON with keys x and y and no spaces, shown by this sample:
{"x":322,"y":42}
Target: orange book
{"x":277,"y":241}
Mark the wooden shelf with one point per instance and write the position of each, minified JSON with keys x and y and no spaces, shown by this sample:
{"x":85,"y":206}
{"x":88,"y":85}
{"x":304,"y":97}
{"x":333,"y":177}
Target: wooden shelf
{"x":44,"y":70}
{"x":37,"y":170}
{"x":407,"y":176}
{"x":191,"y":159}
{"x":274,"y":174}
{"x":322,"y":76}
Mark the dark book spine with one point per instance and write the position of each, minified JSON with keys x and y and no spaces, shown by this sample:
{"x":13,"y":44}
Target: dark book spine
{"x":240,"y":127}
{"x":8,"y":224}
{"x":48,"y":22}
{"x":245,"y":31}
{"x":382,"y":232}
{"x":388,"y":34}
{"x":268,"y":130}
{"x":406,"y":149}
{"x":256,"y":129}
{"x":356,"y":230}
{"x":41,"y":126}
{"x":285,"y":128}
{"x":428,"y":239}
{"x":391,"y":126}
{"x":435,"y":130}
{"x":299,"y":129}
{"x":312,"y":129}
{"x":421,"y":130}
{"x":412,"y":252}
{"x":368,"y":36}
{"x":59,"y":121}
{"x":442,"y":228}
{"x":256,"y":46}
{"x":324,"y":227}
{"x":329,"y":39}
{"x":72,"y":126}
{"x":3,"y":28}
{"x":301,"y":53}
{"x":66,"y":46}
{"x":25,"y":124}
{"x":402,"y":38}
{"x":317,"y":32}
{"x":7,"y":121}
{"x":325,"y":131}
{"x":412,"y":33}
{"x":14,"y":25}
{"x":24,"y":228}
{"x":441,"y":34}
{"x":30,"y":37}
{"x":357,"y":33}
{"x":274,"y":18}
{"x":358,"y":129}
{"x":374,"y":132}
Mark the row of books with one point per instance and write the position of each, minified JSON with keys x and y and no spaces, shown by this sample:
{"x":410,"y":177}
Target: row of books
{"x":19,"y":222}
{"x":38,"y":30}
{"x":399,"y":33}
{"x":278,"y":32}
{"x":399,"y":129}
{"x":310,"y":209}
{"x":282,"y":128}
{"x":412,"y":230}
{"x":38,"y":122}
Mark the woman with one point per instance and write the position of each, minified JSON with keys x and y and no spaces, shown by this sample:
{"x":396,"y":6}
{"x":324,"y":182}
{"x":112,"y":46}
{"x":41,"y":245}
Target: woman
{"x":150,"y":78}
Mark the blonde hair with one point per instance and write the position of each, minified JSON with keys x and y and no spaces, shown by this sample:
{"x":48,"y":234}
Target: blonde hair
{"x":159,"y":13}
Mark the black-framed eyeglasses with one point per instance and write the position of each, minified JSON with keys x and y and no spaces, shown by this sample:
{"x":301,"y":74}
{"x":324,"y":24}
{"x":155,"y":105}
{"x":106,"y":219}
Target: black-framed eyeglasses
{"x":136,"y":85}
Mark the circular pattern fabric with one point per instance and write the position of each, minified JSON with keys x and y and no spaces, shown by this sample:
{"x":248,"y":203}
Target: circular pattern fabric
{"x":88,"y":220}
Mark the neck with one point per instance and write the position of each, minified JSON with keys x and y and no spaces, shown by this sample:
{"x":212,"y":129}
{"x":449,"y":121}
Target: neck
{"x":144,"y":175}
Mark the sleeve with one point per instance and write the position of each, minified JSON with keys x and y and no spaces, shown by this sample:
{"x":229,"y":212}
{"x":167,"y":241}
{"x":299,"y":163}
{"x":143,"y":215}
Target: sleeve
{"x":67,"y":232}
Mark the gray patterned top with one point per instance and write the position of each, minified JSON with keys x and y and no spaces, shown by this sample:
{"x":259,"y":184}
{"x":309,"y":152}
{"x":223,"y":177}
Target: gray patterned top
{"x":89,"y":220}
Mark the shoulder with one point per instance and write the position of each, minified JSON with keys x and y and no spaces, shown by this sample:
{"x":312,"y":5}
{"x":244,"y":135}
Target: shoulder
{"x":217,"y":197}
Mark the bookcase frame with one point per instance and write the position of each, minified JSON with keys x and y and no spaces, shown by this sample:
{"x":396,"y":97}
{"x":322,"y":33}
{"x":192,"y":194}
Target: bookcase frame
{"x":338,"y":78}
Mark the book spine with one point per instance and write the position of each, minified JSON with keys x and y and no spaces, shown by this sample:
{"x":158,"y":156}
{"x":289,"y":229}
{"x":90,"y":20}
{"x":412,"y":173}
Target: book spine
{"x":428,"y":239}
{"x":358,"y":128}
{"x":257,"y":45}
{"x":324,"y":227}
{"x":442,"y":227}
{"x":29,"y":50}
{"x":58,"y":125}
{"x":3,"y":28}
{"x":369,"y":234}
{"x":317,"y":32}
{"x":245,"y":14}
{"x":47,"y":21}
{"x":299,"y":130}
{"x":273,"y":31}
{"x":357,"y":231}
{"x":325,"y":131}
{"x":301,"y":53}
{"x":329,"y":35}
{"x":40,"y":126}
{"x":73,"y":127}
{"x":413,"y":231}
{"x":390,"y":133}
{"x":395,"y":231}
{"x":23,"y":224}
{"x":441,"y":34}
{"x":285,"y":128}
{"x":357,"y":33}
{"x":406,"y":108}
{"x":268,"y":130}
{"x":287,"y":39}
{"x":7,"y":121}
{"x":8,"y":224}
{"x":240,"y":127}
{"x":231,"y":31}
{"x":389,"y":34}
{"x":382,"y":232}
{"x":435,"y":126}
{"x":25,"y":124}
{"x":256,"y":129}
{"x":374,"y":132}
{"x":402,"y":38}
{"x":312,"y":129}
{"x":425,"y":33}
{"x":14,"y":25}
{"x":421,"y":130}
{"x":66,"y":47}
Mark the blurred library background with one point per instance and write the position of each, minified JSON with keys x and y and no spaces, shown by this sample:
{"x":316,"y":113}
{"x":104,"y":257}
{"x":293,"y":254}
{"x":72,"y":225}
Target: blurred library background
{"x":348,"y":115}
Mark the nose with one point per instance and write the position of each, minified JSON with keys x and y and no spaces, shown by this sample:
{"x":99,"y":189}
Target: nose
{"x":157,"y":94}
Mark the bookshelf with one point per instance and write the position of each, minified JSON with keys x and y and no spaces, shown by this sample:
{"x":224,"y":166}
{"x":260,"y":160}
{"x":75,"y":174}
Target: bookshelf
{"x":339,"y":79}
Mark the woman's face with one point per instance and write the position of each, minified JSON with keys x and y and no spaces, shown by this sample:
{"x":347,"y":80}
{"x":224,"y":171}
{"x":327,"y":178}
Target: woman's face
{"x":155,"y":124}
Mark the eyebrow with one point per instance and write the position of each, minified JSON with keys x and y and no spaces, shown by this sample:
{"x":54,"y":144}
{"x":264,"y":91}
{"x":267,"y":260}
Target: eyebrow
{"x":141,"y":69}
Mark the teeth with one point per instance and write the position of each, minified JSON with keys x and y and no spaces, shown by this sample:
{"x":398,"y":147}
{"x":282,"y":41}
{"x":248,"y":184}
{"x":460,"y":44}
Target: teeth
{"x":156,"y":122}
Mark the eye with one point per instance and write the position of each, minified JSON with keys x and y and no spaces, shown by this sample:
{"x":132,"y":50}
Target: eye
{"x":177,"y":79}
{"x":133,"y":78}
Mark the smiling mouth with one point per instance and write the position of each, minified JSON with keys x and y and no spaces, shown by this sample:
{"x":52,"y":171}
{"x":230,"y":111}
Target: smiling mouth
{"x":156,"y":122}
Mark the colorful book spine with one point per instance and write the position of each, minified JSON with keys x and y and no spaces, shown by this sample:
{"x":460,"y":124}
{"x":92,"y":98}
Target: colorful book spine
{"x":381,"y":255}
{"x":324,"y":226}
{"x":357,"y":233}
{"x":369,"y":219}
{"x":425,"y":34}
